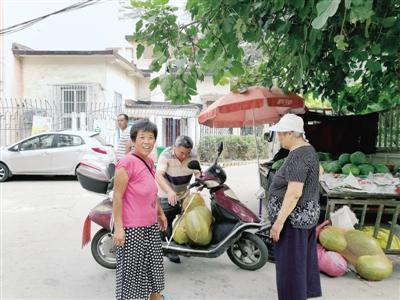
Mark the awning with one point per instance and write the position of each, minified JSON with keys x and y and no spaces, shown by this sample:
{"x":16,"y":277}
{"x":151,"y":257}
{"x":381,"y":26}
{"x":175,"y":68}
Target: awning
{"x":146,"y":109}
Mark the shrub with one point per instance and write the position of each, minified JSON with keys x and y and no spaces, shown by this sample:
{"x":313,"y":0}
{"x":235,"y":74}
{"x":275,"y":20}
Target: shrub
{"x":235,"y":148}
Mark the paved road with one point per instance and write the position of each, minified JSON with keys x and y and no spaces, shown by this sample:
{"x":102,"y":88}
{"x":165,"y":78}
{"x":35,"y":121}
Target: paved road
{"x":41,"y":257}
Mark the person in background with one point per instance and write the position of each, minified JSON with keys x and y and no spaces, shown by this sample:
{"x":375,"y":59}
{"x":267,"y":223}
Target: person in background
{"x":138,"y":219}
{"x":293,"y":209}
{"x":124,"y":143}
{"x":173,"y":176}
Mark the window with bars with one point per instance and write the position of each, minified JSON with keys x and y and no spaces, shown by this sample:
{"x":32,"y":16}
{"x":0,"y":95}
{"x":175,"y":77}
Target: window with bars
{"x":173,"y":129}
{"x":74,"y":102}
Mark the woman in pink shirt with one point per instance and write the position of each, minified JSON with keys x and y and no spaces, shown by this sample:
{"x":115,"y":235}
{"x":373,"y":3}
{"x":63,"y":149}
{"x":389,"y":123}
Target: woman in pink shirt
{"x":138,"y":219}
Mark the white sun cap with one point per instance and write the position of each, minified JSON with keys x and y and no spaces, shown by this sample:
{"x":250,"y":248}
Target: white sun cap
{"x":289,"y":122}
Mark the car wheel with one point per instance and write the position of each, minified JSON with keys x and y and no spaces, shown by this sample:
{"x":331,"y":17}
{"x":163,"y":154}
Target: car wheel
{"x":4,"y":172}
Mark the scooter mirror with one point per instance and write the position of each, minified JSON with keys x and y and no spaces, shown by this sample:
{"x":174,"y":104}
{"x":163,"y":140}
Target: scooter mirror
{"x":194,"y":165}
{"x":220,"y":148}
{"x":271,"y":136}
{"x":266,"y":136}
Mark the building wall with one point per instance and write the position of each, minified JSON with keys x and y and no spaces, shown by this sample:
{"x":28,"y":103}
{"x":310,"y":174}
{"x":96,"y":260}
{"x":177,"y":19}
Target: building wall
{"x":40,"y":74}
{"x":144,"y":92}
{"x":121,"y":81}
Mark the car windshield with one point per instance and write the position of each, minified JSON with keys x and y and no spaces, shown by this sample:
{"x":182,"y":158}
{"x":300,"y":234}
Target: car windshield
{"x":98,"y":138}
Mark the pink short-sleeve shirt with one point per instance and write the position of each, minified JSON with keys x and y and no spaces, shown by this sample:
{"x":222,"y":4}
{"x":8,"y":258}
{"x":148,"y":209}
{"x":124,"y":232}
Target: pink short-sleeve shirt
{"x":139,"y":207}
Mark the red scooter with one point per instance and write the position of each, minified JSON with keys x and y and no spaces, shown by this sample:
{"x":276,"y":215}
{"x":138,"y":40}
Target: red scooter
{"x":236,"y":229}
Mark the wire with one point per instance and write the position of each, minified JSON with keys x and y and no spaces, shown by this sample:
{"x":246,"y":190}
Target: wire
{"x":26,"y":24}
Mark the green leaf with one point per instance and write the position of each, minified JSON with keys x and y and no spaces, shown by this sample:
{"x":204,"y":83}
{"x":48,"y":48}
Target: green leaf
{"x":166,"y":83}
{"x":218,"y":74}
{"x":139,"y":50}
{"x":139,"y":24}
{"x":388,"y":22}
{"x":240,"y":27}
{"x":361,"y":12}
{"x":236,"y":69}
{"x":340,"y":42}
{"x":297,"y":3}
{"x":357,"y":75}
{"x":153,"y":83}
{"x":373,"y":65}
{"x":155,"y":66}
{"x":228,"y":24}
{"x":325,"y":9}
{"x":190,"y":81}
{"x":376,"y":49}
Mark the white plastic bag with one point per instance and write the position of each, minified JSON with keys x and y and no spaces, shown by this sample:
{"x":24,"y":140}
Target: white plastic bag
{"x":344,"y":218}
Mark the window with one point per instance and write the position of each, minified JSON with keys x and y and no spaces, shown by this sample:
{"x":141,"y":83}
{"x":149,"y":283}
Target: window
{"x":69,"y":140}
{"x":117,"y":102}
{"x":74,"y":99}
{"x":172,"y":130}
{"x":38,"y":143}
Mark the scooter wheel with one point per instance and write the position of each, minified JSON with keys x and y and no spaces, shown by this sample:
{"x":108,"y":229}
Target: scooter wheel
{"x":103,"y":249}
{"x":249,"y":252}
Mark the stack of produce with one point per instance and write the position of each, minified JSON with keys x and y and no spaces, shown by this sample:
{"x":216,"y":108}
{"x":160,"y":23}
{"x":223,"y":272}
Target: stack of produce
{"x":194,"y":225}
{"x":330,"y":262}
{"x":383,"y":237}
{"x":359,"y":249}
{"x":355,"y":163}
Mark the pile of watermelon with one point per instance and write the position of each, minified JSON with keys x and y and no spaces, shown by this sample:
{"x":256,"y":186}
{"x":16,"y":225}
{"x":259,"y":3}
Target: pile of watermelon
{"x":194,"y":226}
{"x":355,"y":163}
{"x":359,"y":249}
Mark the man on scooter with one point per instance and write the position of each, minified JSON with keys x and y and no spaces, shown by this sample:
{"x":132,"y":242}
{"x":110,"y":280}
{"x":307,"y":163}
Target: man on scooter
{"x":173,"y":176}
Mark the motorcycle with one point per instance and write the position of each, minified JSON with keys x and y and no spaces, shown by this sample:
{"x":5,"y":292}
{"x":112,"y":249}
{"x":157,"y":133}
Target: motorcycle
{"x":236,"y":229}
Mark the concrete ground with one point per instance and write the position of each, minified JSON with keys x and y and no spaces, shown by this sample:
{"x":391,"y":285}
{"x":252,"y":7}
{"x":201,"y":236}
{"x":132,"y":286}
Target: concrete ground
{"x":41,"y":255}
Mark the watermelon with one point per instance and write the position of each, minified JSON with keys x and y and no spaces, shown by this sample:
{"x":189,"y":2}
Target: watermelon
{"x":360,"y":243}
{"x":381,"y":168}
{"x":374,"y":267}
{"x":198,"y":225}
{"x":324,"y":165}
{"x":324,"y":156}
{"x":180,"y":235}
{"x":332,"y":238}
{"x":350,"y":168}
{"x":358,"y":158}
{"x":194,"y":199}
{"x":278,"y":164}
{"x":344,"y":159}
{"x":365,"y":169}
{"x":334,"y":167}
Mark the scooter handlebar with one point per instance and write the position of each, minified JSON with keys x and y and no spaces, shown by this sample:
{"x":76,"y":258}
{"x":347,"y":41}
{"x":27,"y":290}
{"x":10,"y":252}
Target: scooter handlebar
{"x":194,"y":184}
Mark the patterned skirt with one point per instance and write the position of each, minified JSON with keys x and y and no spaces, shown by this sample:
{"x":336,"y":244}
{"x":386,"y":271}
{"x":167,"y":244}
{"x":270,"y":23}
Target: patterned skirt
{"x":140,"y":265}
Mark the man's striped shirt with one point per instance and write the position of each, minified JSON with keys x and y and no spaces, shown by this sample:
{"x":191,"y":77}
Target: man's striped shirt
{"x":177,"y":173}
{"x":124,"y":137}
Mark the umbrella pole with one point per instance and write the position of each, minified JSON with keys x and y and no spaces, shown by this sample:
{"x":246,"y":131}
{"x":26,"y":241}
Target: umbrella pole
{"x":257,"y":154}
{"x":258,"y":165}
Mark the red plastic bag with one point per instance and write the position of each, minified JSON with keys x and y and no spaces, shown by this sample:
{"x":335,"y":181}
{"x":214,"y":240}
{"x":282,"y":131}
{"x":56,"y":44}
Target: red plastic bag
{"x":331,"y":263}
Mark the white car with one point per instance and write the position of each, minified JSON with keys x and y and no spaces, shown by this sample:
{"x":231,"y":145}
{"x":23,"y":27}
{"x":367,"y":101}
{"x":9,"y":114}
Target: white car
{"x":53,"y":153}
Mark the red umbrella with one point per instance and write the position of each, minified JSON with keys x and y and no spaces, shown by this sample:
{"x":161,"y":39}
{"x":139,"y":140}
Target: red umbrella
{"x":255,"y":106}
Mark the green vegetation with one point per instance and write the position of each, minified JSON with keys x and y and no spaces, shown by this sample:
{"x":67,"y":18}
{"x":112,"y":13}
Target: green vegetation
{"x":235,"y":148}
{"x":341,"y":50}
